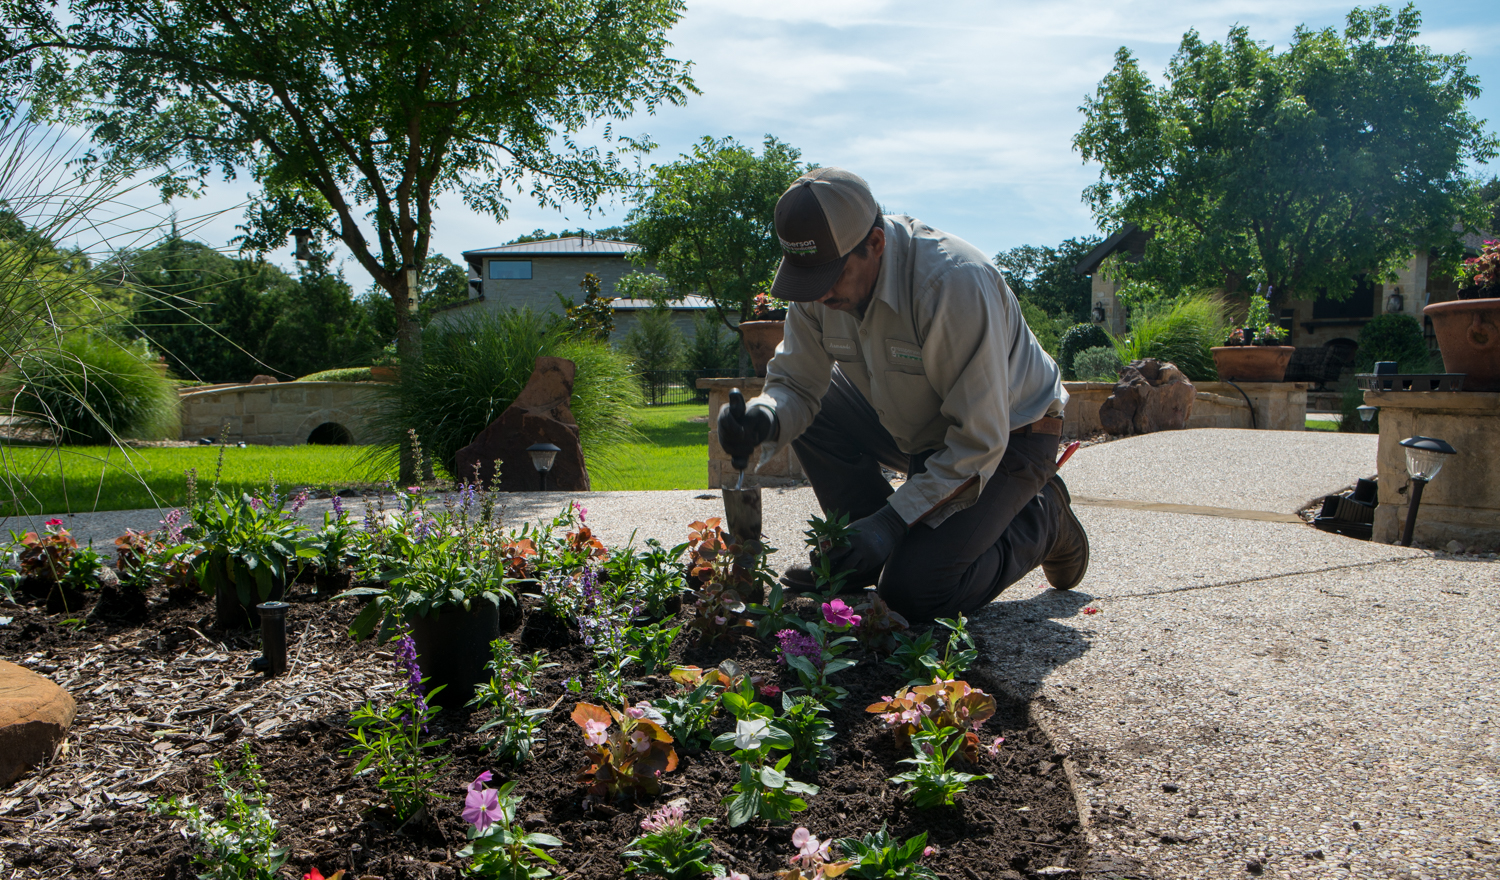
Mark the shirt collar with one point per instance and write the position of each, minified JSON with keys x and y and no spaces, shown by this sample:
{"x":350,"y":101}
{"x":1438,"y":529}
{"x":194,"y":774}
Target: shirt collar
{"x":892,"y":264}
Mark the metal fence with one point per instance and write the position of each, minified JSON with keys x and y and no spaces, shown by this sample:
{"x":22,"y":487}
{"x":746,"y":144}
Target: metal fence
{"x":662,"y":387}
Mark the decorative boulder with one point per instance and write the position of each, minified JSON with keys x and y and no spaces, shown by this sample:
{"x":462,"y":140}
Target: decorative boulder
{"x":262,"y":379}
{"x":1150,"y":396}
{"x":539,"y":414}
{"x":34,"y":715}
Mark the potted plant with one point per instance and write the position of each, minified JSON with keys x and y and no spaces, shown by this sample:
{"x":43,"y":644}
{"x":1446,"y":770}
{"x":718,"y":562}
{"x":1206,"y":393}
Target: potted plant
{"x":445,"y":576}
{"x":764,"y":331}
{"x":249,"y":545}
{"x":1468,"y":328}
{"x":1254,"y":353}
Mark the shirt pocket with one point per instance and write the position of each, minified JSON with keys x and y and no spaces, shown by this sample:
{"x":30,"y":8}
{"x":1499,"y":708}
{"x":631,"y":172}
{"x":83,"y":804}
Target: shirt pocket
{"x":842,"y":349}
{"x":904,"y":357}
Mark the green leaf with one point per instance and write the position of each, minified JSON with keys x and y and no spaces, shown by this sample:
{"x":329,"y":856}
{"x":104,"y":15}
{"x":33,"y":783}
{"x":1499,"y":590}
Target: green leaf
{"x":772,"y":778}
{"x":364,"y":624}
{"x":744,"y":808}
{"x":838,"y":664}
{"x":539,"y":839}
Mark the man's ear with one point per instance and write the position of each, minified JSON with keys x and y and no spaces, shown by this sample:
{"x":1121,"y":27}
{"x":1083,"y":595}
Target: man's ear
{"x":876,"y":242}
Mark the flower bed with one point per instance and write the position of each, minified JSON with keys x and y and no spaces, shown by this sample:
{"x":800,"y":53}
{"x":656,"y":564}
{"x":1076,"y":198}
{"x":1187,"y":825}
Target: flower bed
{"x":161,"y":702}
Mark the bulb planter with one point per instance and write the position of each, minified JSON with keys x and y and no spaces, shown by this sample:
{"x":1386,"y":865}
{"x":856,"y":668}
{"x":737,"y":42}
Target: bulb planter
{"x":761,"y":339}
{"x":1252,"y":363}
{"x":1468,"y":335}
{"x":453,"y":646}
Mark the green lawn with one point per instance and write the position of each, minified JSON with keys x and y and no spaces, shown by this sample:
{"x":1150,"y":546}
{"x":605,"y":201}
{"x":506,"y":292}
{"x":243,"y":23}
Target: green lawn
{"x":1321,"y":425}
{"x":672,"y":455}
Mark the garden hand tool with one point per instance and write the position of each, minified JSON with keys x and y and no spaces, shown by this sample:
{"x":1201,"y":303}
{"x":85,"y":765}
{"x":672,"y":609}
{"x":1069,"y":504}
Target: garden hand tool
{"x":741,"y":505}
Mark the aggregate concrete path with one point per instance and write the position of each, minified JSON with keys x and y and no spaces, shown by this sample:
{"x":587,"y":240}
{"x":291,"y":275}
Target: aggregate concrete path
{"x":1324,"y":707}
{"x":1275,"y":471}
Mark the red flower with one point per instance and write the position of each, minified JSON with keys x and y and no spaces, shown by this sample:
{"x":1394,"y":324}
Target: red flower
{"x":54,"y":522}
{"x":1091,"y":610}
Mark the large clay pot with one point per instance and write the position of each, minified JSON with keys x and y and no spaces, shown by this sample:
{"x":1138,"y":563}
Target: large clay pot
{"x":1468,"y":334}
{"x":1252,"y":363}
{"x":761,"y":339}
{"x":453,"y":647}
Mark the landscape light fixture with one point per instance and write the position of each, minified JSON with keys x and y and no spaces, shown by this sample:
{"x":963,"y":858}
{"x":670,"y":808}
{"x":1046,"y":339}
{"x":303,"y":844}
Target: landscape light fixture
{"x":1396,"y":303}
{"x":542,"y":456}
{"x":1099,"y":313}
{"x":1424,"y":458}
{"x":1367,"y":412}
{"x":273,"y":637}
{"x":303,"y":235}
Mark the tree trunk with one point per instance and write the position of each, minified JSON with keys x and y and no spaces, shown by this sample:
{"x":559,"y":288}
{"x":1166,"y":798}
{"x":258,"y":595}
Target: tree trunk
{"x":409,"y":352}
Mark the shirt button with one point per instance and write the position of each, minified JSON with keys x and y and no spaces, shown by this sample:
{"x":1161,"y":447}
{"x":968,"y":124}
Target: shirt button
{"x":863,"y":332}
{"x":880,"y":412}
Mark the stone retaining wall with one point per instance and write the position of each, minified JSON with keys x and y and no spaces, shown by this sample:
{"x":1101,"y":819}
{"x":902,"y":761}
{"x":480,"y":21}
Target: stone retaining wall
{"x":281,"y":414}
{"x":1279,"y":406}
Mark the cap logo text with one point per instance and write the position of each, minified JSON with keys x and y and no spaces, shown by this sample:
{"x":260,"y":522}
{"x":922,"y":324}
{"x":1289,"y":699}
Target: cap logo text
{"x":798,"y":247}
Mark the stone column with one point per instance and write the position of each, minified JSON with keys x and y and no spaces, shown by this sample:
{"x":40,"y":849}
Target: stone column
{"x":782,"y":470}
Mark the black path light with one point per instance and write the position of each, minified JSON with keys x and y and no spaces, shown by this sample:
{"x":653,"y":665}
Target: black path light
{"x":1424,"y":458}
{"x":542,"y":456}
{"x":1099,"y":313}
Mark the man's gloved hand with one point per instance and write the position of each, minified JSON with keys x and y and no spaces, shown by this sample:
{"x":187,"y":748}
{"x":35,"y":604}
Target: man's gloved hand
{"x":872,"y":543}
{"x":742,"y":429}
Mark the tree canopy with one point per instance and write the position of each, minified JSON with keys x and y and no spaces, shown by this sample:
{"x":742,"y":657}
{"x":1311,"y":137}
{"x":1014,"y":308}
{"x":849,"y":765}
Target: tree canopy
{"x":351,"y":116}
{"x":1044,"y":276}
{"x":1298,"y":169}
{"x":706,"y":222}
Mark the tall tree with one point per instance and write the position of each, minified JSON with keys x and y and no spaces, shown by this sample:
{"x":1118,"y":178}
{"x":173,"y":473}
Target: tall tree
{"x":353,"y":116}
{"x":1045,"y":276}
{"x":1298,"y":170}
{"x":707,"y":222}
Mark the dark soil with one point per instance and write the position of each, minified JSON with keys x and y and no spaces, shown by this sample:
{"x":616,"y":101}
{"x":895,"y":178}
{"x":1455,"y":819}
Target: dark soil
{"x":1013,"y":825}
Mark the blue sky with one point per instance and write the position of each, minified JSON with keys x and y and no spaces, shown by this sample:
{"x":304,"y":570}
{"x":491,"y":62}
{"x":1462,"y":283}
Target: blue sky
{"x":960,"y":113}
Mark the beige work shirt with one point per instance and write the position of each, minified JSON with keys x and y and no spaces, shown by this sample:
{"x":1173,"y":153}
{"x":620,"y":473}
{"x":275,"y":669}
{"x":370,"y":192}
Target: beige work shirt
{"x":942,"y":353}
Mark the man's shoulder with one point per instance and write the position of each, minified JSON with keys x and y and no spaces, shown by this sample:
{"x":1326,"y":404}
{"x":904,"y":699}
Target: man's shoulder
{"x":937,"y":255}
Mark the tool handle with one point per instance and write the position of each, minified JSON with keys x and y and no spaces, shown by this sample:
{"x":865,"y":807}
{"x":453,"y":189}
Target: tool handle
{"x":737,"y":411}
{"x":1068,"y":453}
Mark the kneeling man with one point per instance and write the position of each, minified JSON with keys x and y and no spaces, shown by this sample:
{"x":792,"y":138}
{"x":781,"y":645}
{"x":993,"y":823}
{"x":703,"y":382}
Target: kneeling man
{"x":905,"y":348}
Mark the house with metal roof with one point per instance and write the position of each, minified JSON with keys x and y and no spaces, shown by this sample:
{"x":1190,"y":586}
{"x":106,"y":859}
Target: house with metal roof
{"x":532,"y":274}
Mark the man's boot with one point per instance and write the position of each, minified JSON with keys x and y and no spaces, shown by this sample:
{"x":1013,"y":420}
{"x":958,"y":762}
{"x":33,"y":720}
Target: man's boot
{"x":1068,"y":559}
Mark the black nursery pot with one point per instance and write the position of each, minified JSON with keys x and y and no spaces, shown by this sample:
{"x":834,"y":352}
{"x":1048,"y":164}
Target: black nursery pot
{"x":230,"y":614}
{"x":453,"y":648}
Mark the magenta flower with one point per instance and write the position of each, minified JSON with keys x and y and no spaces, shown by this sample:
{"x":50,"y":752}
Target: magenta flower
{"x":994,"y":747}
{"x":53,"y":523}
{"x":583,"y":512}
{"x":796,"y":643}
{"x":839,"y":615}
{"x":481,"y":805}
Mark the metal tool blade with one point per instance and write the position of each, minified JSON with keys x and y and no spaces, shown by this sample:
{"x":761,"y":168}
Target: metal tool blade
{"x":742,"y":514}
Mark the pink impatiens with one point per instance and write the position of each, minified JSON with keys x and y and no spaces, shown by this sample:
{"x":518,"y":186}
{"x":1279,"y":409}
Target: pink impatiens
{"x":839,"y":615}
{"x":481,"y":805}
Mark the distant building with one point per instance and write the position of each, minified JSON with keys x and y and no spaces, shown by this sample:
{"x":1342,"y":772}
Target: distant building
{"x":533,"y":273}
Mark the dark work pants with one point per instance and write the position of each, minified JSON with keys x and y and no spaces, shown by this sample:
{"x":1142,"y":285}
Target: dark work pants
{"x":965,"y":562}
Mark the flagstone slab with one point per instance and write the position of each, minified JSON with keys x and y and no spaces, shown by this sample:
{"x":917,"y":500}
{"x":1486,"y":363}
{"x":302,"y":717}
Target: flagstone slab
{"x":35,"y":715}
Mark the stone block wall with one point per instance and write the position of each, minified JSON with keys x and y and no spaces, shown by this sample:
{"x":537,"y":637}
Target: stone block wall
{"x":281,"y":414}
{"x":1463,"y":502}
{"x":1279,"y":406}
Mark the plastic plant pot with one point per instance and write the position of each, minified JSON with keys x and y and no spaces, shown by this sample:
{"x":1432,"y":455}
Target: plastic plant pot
{"x":453,"y":647}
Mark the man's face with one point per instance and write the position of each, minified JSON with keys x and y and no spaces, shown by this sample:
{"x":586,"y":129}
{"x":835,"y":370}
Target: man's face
{"x":856,"y":283}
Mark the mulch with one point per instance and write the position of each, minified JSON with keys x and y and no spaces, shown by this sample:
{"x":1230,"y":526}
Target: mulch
{"x":159,"y":701}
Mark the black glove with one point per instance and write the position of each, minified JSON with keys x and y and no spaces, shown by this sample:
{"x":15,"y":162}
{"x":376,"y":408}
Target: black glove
{"x":741,"y":430}
{"x":872,"y":542}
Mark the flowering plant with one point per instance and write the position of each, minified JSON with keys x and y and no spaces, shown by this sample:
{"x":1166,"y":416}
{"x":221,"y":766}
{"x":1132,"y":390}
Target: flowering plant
{"x":630,"y":751}
{"x":517,"y":726}
{"x":1481,"y":273}
{"x":931,"y":783}
{"x":814,"y":859}
{"x":814,"y":656}
{"x":389,"y":739}
{"x":46,"y":556}
{"x":242,"y":844}
{"x":950,"y":704}
{"x":144,"y":559}
{"x":764,"y":789}
{"x":802,"y":717}
{"x":670,"y":846}
{"x":768,"y":308}
{"x":499,"y":846}
{"x":249,"y":544}
{"x":877,"y":856}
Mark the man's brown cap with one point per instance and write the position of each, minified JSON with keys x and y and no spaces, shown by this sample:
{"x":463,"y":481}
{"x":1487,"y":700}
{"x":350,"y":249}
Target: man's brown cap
{"x":820,"y":219}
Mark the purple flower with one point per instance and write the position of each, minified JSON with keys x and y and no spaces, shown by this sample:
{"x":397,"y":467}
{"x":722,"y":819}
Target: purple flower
{"x":174,"y":525}
{"x":424,"y":528}
{"x":256,"y":503}
{"x":406,"y":664}
{"x":839,"y":615}
{"x":796,"y":643}
{"x":298,"y":501}
{"x":482,"y":805}
{"x":338,"y":508}
{"x":583,"y":512}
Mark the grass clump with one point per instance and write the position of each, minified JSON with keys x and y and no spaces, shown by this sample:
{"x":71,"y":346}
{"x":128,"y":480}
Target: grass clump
{"x":473,"y":367}
{"x":92,"y":389}
{"x":342,"y":374}
{"x":1181,"y":331}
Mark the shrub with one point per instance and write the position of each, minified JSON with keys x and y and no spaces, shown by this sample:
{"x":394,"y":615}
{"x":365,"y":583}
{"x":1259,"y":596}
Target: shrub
{"x":1076,"y":339}
{"x":471,"y":370}
{"x":1047,"y":329}
{"x":1180,"y":331}
{"x":91,"y":389}
{"x":1393,"y":338}
{"x":342,"y":374}
{"x":654,"y":343}
{"x":714,"y":349}
{"x":1098,"y":364}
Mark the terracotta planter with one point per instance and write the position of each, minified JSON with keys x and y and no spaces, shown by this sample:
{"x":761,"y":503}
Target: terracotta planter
{"x":1468,"y":334}
{"x":761,"y":339}
{"x":1252,"y":363}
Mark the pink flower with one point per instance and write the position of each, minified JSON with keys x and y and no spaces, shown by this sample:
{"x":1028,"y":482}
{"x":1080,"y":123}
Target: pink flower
{"x":594,"y":732}
{"x":414,"y":490}
{"x":583,"y":512}
{"x":53,"y":523}
{"x":839,"y":614}
{"x":665,"y":819}
{"x":734,"y":875}
{"x":1091,"y":610}
{"x":994,"y":747}
{"x":641,"y":741}
{"x":928,"y":851}
{"x":769,"y":691}
{"x":636,"y":712}
{"x":481,"y":805}
{"x":810,"y":850}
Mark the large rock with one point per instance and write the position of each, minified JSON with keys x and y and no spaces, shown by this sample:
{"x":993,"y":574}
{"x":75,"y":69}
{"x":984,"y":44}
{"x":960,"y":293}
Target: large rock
{"x":539,"y":414}
{"x":1150,"y":396}
{"x":34,"y":715}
